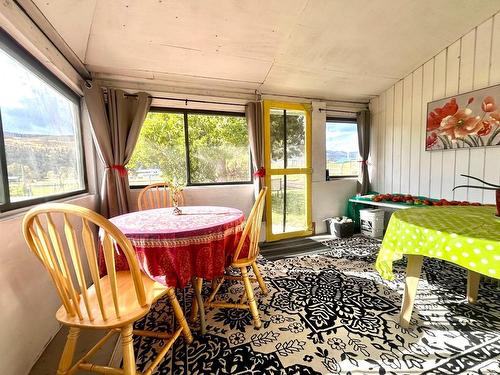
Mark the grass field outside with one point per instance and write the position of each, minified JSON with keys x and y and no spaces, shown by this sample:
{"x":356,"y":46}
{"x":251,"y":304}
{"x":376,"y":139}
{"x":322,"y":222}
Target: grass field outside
{"x":345,"y":168}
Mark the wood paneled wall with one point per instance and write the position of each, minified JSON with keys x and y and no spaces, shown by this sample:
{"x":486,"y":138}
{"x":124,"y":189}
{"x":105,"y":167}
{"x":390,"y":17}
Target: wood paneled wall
{"x":399,"y":162}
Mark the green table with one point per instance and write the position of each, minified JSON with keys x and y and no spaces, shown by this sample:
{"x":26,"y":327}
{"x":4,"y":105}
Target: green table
{"x":467,"y":236}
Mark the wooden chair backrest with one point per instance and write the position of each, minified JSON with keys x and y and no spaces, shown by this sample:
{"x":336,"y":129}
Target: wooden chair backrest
{"x":252,"y":229}
{"x":157,"y":196}
{"x":67,"y":273}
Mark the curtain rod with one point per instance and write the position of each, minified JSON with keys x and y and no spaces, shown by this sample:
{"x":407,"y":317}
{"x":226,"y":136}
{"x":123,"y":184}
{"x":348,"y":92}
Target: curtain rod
{"x":191,"y":100}
{"x":315,"y":99}
{"x":222,"y":103}
{"x":336,"y":110}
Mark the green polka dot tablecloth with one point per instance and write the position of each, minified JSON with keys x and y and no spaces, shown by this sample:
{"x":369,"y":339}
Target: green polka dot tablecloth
{"x":467,"y":236}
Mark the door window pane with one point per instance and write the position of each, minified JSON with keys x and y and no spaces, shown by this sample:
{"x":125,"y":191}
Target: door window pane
{"x":41,"y":132}
{"x":218,"y":148}
{"x":288,"y":136}
{"x":288,"y":199}
{"x":296,"y":139}
{"x":277,"y":138}
{"x":160,"y":152}
{"x":278,"y":203}
{"x":296,"y":218}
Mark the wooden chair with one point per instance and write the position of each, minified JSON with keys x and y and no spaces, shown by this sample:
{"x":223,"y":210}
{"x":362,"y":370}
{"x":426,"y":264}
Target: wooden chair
{"x":157,"y":196}
{"x":250,"y":236}
{"x":113,"y":302}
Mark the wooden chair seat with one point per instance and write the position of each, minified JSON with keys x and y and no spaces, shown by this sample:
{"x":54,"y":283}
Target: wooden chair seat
{"x":128,"y":305}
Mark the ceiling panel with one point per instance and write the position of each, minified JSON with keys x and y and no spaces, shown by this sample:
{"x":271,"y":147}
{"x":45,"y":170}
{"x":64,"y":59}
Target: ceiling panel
{"x":324,"y":84}
{"x":72,"y":19}
{"x":135,"y":53}
{"x":384,"y":37}
{"x":252,"y":29}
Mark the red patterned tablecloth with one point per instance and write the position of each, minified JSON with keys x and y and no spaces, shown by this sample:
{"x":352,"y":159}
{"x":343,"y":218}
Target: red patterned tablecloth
{"x":172,"y":249}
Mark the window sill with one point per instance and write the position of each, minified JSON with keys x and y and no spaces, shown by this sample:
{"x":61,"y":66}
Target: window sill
{"x":336,"y":178}
{"x":19,"y":212}
{"x":196,"y":186}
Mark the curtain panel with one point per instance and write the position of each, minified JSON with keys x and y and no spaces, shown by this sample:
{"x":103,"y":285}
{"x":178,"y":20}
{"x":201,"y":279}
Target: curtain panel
{"x":115,"y":128}
{"x":253,"y":113}
{"x":363,"y":120}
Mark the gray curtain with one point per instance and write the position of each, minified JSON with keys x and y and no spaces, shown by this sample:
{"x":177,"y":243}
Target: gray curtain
{"x":253,"y":113}
{"x":363,"y":120}
{"x":115,"y":129}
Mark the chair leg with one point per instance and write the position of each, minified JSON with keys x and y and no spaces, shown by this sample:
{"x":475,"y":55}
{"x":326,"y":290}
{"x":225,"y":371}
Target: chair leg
{"x":128,"y":351}
{"x":179,"y":315}
{"x":216,"y":284}
{"x":260,"y":280}
{"x":197,"y":284}
{"x":69,"y":351}
{"x":250,"y":298}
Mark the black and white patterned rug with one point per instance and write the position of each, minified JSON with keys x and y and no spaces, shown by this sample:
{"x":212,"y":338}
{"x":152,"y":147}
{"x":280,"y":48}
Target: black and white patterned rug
{"x":333,"y":314}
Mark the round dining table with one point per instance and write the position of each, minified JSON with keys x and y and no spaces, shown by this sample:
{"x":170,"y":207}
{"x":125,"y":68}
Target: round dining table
{"x":176,"y":248}
{"x":467,"y":236}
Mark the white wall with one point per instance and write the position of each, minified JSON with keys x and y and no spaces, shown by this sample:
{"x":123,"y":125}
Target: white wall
{"x":399,"y":160}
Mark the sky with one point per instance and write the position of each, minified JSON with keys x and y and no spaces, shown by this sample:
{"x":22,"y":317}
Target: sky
{"x":29,"y":105}
{"x":341,"y":136}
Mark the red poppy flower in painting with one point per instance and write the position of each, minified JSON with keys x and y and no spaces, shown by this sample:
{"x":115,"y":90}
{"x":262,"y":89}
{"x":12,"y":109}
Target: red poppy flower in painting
{"x":460,"y":124}
{"x":488,"y":104}
{"x":434,"y":119}
{"x":485,"y":130}
{"x":431,"y":140}
{"x":495,"y":116}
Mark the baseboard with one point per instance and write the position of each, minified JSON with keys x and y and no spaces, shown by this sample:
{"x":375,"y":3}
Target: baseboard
{"x":117,"y":355}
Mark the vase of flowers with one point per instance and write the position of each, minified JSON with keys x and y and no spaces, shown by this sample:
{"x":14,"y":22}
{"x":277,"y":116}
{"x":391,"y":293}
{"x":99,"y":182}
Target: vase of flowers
{"x":175,"y":193}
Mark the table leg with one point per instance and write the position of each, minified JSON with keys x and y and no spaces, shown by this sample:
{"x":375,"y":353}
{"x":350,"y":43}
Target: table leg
{"x":197,"y":284}
{"x":473,"y":279}
{"x":412,"y":277}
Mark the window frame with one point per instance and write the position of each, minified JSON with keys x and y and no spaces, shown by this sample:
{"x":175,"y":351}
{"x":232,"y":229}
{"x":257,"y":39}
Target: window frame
{"x":344,"y":120}
{"x":186,"y":113}
{"x":23,"y":57}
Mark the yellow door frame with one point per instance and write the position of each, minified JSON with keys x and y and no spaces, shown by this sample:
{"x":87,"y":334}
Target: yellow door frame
{"x":307,"y":171}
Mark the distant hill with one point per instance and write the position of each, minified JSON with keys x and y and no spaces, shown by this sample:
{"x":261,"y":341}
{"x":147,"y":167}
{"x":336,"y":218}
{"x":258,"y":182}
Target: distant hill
{"x":39,"y":136}
{"x":37,"y":155}
{"x":340,"y":156}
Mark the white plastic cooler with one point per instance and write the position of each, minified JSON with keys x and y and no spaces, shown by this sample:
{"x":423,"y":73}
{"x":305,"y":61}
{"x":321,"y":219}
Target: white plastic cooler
{"x":372,"y":222}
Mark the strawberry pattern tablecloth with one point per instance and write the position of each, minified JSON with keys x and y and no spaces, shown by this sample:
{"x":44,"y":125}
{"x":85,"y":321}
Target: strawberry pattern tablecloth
{"x":172,"y":249}
{"x":467,"y":236}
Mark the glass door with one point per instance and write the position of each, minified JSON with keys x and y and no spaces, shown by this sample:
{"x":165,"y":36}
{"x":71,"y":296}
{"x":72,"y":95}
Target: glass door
{"x":287,"y":140}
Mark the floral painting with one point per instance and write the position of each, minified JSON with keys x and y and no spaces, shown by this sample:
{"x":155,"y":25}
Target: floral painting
{"x":466,"y":120}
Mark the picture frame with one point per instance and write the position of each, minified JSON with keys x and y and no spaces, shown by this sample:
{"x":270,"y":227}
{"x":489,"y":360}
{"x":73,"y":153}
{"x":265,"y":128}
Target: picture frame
{"x":465,"y":120}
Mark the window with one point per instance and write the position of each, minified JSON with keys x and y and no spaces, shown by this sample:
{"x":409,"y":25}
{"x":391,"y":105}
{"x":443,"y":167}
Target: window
{"x":192,"y":147}
{"x":342,"y":153}
{"x":40,"y":141}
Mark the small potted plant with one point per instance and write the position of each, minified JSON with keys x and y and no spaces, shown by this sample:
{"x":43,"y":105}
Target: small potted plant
{"x":488,"y":187}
